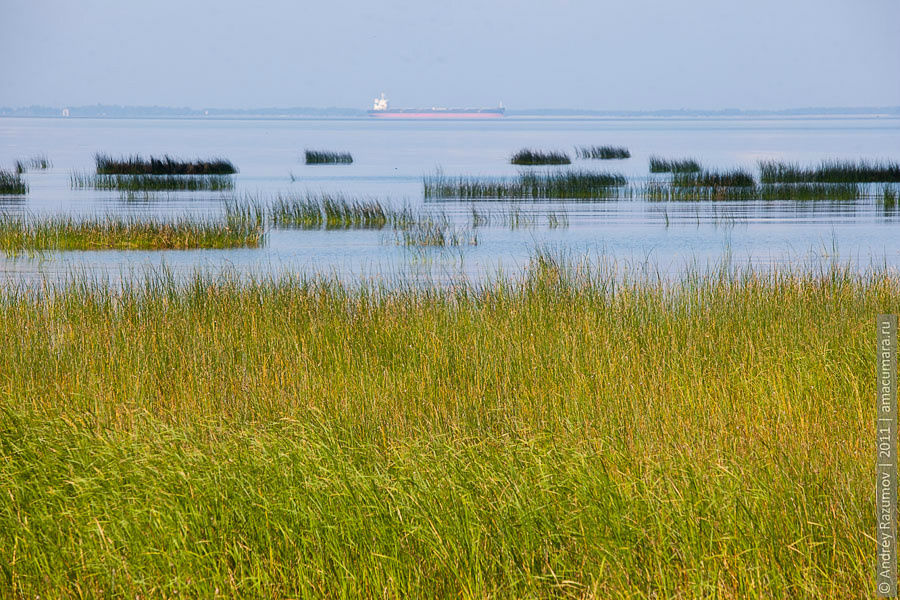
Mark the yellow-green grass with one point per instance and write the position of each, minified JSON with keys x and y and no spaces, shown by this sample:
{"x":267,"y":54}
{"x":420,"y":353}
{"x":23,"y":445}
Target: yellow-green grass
{"x":36,"y":234}
{"x":575,"y":433}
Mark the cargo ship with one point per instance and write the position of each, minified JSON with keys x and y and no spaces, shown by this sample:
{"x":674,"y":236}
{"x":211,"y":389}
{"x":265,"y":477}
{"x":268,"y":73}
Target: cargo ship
{"x":382,"y":110}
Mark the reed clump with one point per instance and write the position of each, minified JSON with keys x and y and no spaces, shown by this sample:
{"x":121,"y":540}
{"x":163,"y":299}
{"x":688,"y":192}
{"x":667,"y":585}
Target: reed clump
{"x":37,"y":234}
{"x":527,"y":156}
{"x":889,"y":196}
{"x":729,"y":178}
{"x":12,"y":183}
{"x":266,"y":438}
{"x":528,"y":185}
{"x":603,"y":152}
{"x":167,"y":165}
{"x":811,"y":191}
{"x":324,"y":157}
{"x":151,"y":183}
{"x":830,"y":171}
{"x":335,"y":211}
{"x":683,"y":165}
{"x":664,"y":191}
{"x":435,"y":232}
{"x":38,"y":162}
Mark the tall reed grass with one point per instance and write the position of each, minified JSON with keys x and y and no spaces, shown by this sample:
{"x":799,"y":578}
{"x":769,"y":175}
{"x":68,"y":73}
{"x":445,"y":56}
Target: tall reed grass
{"x":324,"y":157}
{"x":528,"y":185}
{"x":167,"y":165}
{"x":12,"y":183}
{"x":19,"y":234}
{"x":150,"y":183}
{"x":830,"y":171}
{"x":684,"y":165}
{"x":578,"y":432}
{"x":527,"y":156}
{"x":705,"y":178}
{"x":603,"y":152}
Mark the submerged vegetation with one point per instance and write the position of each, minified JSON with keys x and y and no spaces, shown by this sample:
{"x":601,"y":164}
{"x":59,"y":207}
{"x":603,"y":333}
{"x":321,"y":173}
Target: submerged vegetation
{"x":266,"y":438}
{"x":528,"y":185}
{"x":603,"y":152}
{"x":12,"y":183}
{"x":684,"y":165}
{"x":150,"y":183}
{"x":37,"y":234}
{"x":137,"y":165}
{"x":830,"y":171}
{"x":527,"y":156}
{"x":324,"y":157}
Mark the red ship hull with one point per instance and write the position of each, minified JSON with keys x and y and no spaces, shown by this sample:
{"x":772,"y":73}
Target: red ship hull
{"x":437,"y":114}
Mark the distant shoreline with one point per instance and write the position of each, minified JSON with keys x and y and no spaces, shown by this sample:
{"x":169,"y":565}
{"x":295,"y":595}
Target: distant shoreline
{"x":158,"y":112}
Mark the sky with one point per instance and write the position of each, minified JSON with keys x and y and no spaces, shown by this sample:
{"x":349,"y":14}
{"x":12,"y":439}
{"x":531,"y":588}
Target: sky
{"x":581,"y":54}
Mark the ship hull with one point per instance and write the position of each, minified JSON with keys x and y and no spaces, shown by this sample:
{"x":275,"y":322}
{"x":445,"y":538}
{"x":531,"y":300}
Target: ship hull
{"x":450,"y":113}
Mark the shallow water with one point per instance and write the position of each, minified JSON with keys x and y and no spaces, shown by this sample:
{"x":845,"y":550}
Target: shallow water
{"x":390,"y":158}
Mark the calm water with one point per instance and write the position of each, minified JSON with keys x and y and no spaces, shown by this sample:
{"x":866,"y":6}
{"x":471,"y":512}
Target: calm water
{"x":392,"y":156}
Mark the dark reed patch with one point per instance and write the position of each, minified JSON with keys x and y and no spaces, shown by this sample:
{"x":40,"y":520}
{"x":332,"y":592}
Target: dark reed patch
{"x":603,"y":152}
{"x":527,"y":156}
{"x":683,"y":165}
{"x":323,"y":157}
{"x":137,"y":165}
{"x":11,"y":183}
{"x":730,"y":178}
{"x":150,"y":183}
{"x":559,"y":184}
{"x":830,"y":171}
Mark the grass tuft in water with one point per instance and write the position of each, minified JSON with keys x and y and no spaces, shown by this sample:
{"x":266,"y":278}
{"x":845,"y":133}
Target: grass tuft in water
{"x":889,"y":195}
{"x":324,"y":157}
{"x":603,"y":152}
{"x":137,"y":165}
{"x":528,"y":185}
{"x":730,"y":178}
{"x":36,"y":234}
{"x":12,"y":183}
{"x":150,"y":183}
{"x":38,"y":162}
{"x":683,"y":165}
{"x":527,"y":156}
{"x":830,"y":171}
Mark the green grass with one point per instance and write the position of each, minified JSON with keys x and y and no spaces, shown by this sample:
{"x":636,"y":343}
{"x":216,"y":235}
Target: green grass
{"x":889,"y":195}
{"x":151,"y":183}
{"x":603,"y":152}
{"x":528,"y":185}
{"x":38,"y":162}
{"x":12,"y":183}
{"x":664,"y":165}
{"x":575,"y":433}
{"x":527,"y":156}
{"x":34,"y":234}
{"x":830,"y":171}
{"x":324,"y":157}
{"x":137,"y":165}
{"x":434,"y":231}
{"x":811,"y":191}
{"x":801,"y":192}
{"x":729,"y":178}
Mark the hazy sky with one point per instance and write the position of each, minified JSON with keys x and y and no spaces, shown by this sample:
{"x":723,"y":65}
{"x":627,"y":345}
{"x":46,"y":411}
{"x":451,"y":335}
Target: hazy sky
{"x":628,"y":54}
